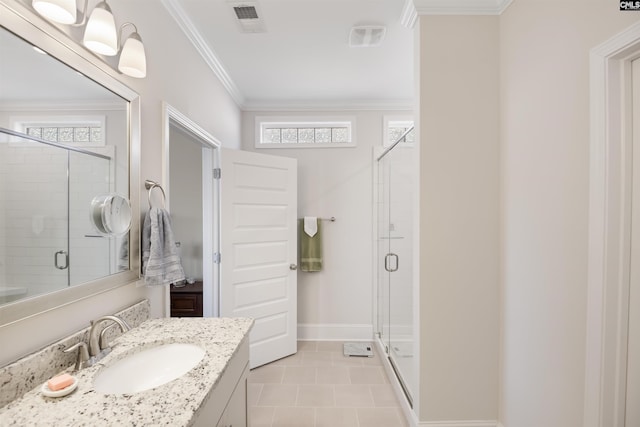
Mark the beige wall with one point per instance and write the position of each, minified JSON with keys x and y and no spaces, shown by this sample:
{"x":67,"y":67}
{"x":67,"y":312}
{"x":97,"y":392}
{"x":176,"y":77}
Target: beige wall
{"x":459,"y":163}
{"x":192,"y":89}
{"x":544,"y":75}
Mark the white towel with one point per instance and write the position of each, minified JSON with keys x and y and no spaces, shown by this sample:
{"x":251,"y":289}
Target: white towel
{"x":310,"y":225}
{"x":160,"y":260}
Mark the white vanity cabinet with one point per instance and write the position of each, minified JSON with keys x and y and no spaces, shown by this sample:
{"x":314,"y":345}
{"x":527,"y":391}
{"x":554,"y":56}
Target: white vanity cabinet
{"x":235,"y":414}
{"x":227,"y":403}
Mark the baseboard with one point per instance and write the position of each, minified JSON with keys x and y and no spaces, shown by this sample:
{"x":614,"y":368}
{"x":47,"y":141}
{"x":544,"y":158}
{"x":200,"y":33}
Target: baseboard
{"x":334,"y":332}
{"x":466,"y":423}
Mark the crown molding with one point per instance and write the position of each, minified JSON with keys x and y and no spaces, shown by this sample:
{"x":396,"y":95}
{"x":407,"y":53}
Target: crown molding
{"x":368,"y":105}
{"x":409,"y":14}
{"x":460,"y":7}
{"x":209,"y":56}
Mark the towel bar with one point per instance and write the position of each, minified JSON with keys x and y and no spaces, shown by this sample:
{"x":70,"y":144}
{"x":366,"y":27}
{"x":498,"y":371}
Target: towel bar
{"x":150,"y":185}
{"x":332,"y":219}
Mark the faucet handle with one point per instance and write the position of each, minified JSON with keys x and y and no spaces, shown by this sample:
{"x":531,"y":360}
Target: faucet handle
{"x":83,"y":354}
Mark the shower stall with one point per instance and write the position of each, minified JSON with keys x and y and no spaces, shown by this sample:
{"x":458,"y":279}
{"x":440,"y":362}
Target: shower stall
{"x":47,"y":241}
{"x":396,"y":172}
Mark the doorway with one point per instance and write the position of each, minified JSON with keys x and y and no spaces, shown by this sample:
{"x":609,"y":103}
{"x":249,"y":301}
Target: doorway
{"x":612,"y":382}
{"x":191,"y":156}
{"x":256,"y":227}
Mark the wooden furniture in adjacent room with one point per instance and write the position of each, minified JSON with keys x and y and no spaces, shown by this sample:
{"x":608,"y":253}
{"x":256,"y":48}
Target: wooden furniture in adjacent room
{"x":186,"y":301}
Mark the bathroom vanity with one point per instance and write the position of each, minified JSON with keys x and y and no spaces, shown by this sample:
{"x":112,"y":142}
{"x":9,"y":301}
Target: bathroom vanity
{"x":213,"y":393}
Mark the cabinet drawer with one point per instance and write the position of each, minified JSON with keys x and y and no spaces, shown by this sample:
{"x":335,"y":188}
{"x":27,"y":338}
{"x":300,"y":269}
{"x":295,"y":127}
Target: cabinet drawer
{"x":186,"y":305}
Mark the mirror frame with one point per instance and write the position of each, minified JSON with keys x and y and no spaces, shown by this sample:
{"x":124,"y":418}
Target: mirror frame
{"x":26,"y":24}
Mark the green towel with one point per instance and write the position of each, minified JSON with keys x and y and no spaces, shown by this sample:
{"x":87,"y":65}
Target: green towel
{"x":310,"y":248}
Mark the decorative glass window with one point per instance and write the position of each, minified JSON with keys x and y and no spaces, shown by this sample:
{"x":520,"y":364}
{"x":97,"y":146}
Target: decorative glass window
{"x":76,"y":131}
{"x":294,"y":132}
{"x":75,"y":135}
{"x":395,"y":128}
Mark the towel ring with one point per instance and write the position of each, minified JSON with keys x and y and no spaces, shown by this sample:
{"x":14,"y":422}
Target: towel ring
{"x":150,"y":185}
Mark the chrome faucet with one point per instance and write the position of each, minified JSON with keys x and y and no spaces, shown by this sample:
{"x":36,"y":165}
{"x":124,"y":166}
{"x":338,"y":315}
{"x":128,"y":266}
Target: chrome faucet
{"x":95,"y":347}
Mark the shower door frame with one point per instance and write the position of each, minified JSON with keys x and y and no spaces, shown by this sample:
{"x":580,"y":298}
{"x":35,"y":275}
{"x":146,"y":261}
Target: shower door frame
{"x":384,"y":341}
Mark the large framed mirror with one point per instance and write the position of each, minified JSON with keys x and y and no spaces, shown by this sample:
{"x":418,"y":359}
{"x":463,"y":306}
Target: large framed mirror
{"x":69,"y":171}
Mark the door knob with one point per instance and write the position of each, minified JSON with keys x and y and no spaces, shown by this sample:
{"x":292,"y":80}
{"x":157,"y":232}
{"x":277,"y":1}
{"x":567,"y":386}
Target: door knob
{"x":293,"y":266}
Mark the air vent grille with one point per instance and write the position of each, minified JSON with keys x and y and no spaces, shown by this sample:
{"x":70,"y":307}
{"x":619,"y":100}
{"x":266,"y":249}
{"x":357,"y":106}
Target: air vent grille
{"x":366,"y":36}
{"x":246,"y":12}
{"x":248,"y":16}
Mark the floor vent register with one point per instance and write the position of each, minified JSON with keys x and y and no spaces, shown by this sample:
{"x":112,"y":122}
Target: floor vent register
{"x":358,"y":349}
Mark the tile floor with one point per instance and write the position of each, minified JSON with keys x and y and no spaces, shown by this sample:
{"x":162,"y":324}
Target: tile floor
{"x":319,"y":386}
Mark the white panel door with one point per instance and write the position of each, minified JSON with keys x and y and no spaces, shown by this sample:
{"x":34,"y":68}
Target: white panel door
{"x":258,"y":199}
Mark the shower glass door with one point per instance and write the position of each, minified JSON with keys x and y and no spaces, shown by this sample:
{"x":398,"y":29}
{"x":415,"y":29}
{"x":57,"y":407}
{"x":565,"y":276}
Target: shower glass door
{"x":93,"y":255}
{"x":47,"y":242}
{"x":395,"y":261}
{"x":33,"y":230}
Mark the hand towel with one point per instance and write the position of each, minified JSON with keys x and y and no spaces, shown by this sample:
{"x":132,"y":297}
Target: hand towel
{"x":310,"y":248}
{"x":160,"y":260}
{"x":310,"y":225}
{"x":123,"y":253}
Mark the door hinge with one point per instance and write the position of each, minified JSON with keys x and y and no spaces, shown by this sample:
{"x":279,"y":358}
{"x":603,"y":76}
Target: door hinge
{"x":217,"y":173}
{"x":216,"y":258}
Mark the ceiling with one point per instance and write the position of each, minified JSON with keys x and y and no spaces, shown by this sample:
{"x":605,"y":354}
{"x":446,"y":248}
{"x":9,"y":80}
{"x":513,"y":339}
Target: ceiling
{"x":303,"y":58}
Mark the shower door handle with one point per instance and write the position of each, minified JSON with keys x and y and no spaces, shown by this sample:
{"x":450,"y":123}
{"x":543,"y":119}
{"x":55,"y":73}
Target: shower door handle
{"x":387,"y":262}
{"x":66,"y":260}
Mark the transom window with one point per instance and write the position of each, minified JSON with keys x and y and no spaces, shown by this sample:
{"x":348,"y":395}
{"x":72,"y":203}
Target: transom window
{"x":68,"y":134}
{"x":79,"y":131}
{"x":395,"y":128}
{"x":279,"y":132}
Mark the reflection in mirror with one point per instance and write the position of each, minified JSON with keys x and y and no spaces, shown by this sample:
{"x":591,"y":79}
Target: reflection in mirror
{"x":64,"y":140}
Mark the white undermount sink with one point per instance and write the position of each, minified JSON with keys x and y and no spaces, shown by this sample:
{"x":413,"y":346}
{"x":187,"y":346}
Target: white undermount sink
{"x":148,"y":369}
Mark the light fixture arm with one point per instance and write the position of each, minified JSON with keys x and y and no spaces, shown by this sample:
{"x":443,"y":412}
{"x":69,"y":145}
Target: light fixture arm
{"x":82,"y":15}
{"x":121,"y":30}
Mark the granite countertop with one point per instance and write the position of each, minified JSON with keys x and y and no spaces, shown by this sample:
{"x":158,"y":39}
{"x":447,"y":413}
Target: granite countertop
{"x":175,"y":403}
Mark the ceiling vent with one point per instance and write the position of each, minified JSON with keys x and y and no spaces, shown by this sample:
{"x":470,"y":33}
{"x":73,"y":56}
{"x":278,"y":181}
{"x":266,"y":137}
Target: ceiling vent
{"x":367,"y":36}
{"x":247,"y":15}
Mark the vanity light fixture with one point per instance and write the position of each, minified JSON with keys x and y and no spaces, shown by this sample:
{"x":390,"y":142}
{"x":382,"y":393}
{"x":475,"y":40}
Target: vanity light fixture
{"x":133,"y":61}
{"x":61,"y":11}
{"x":101,"y":35}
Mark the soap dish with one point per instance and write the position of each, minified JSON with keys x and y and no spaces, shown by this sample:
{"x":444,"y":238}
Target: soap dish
{"x":59,"y":393}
